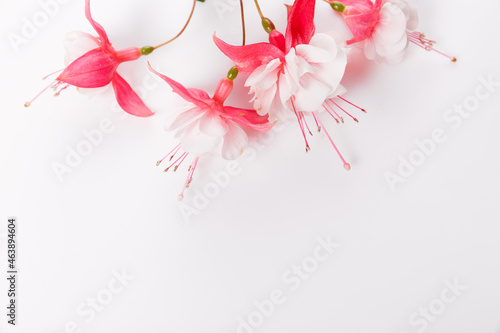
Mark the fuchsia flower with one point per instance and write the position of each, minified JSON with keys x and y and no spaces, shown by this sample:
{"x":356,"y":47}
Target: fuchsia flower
{"x":209,"y":126}
{"x":386,"y":27}
{"x":297,"y":74}
{"x":97,"y":68}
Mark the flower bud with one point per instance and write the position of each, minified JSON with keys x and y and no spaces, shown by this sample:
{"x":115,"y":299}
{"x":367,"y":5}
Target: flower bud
{"x":337,"y":6}
{"x":233,"y":73}
{"x":147,"y":50}
{"x":268,"y":25}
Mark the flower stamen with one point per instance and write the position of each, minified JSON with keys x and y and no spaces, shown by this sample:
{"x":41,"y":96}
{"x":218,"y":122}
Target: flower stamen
{"x":347,"y":166}
{"x":52,"y":85}
{"x":57,"y":93}
{"x":347,"y":113}
{"x":419,"y":39}
{"x":175,"y":162}
{"x":189,"y":177}
{"x":328,"y":108}
{"x":299,"y":118}
{"x":45,"y":77}
{"x":176,"y":149}
{"x":345,"y":100}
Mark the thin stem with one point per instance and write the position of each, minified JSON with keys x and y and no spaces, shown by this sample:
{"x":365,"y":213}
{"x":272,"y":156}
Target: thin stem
{"x":258,"y":9}
{"x":182,"y":30}
{"x":242,"y":20}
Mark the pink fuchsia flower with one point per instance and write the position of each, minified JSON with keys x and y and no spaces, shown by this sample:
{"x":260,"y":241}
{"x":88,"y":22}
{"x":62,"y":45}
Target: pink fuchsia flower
{"x":92,"y":63}
{"x":385,"y":27}
{"x":207,"y":126}
{"x":298,"y":74}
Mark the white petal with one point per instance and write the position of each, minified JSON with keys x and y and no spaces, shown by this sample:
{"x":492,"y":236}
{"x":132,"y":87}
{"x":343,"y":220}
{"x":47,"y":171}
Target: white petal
{"x":235,"y":142}
{"x":263,"y":104}
{"x":331,"y":73}
{"x":195,"y":142}
{"x":370,"y":52}
{"x":212,"y":124}
{"x":313,"y":54}
{"x":410,"y":11}
{"x":339,"y":92}
{"x":389,"y":37}
{"x":326,"y":42}
{"x":183,"y":119}
{"x":311,"y":95}
{"x":263,"y":75}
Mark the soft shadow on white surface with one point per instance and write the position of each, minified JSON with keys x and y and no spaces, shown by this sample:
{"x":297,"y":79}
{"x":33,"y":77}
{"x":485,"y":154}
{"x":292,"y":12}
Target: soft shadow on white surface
{"x":109,"y":248}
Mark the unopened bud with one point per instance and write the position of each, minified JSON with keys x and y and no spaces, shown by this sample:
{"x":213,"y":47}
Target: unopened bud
{"x":337,"y":6}
{"x":147,"y":50}
{"x":233,"y":73}
{"x":268,"y":25}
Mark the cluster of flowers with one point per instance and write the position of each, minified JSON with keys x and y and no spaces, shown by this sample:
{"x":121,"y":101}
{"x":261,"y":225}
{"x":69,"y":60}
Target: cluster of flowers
{"x":297,"y":75}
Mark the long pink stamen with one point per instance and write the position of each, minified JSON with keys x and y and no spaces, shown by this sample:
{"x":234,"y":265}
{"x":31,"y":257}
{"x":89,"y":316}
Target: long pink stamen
{"x":189,"y":177}
{"x":63,"y":88}
{"x":419,"y":39}
{"x":301,"y":126}
{"x":328,"y":107}
{"x":27,"y":104}
{"x":45,"y":77}
{"x":177,"y":160}
{"x":305,"y":122}
{"x":182,"y":160}
{"x":347,"y":166}
{"x":317,"y":124}
{"x":176,"y":148}
{"x":345,"y":100}
{"x":347,"y":113}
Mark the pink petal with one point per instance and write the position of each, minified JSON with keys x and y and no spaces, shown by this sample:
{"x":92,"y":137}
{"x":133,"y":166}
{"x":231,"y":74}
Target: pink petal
{"x":190,"y":95}
{"x":300,"y":27}
{"x":97,"y":27}
{"x":247,"y":58}
{"x":277,"y":39}
{"x":248,"y":118}
{"x":354,"y":7}
{"x":198,"y":94}
{"x":362,"y":25}
{"x":93,"y":69}
{"x":128,"y":99}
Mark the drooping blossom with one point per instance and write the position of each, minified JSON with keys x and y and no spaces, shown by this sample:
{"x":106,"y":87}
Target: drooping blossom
{"x":207,"y":126}
{"x":384,"y":27}
{"x":298,"y":73}
{"x":91,"y":62}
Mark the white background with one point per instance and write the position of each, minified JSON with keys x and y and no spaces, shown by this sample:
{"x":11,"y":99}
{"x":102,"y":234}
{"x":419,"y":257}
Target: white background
{"x":118,"y":211}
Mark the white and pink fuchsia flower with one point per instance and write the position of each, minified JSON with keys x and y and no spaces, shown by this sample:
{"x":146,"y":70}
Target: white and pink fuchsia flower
{"x":384,"y":28}
{"x":208,"y":126}
{"x":92,"y":62}
{"x":296,"y":74}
